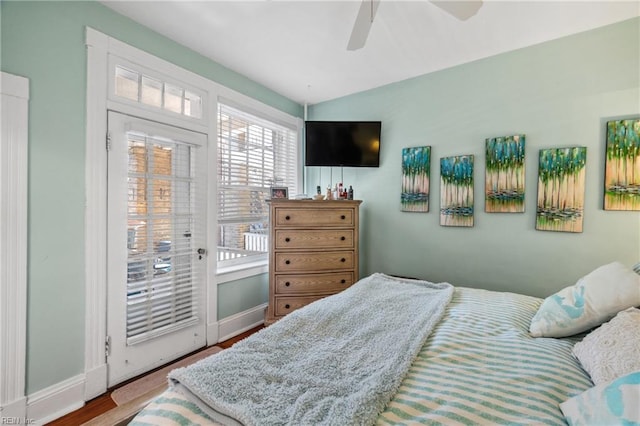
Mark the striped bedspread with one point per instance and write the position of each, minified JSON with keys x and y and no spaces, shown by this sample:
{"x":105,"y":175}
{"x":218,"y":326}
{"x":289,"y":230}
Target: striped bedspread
{"x":478,"y":367}
{"x":171,"y":408}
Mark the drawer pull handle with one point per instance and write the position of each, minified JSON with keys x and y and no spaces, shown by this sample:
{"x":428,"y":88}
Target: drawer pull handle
{"x":343,"y":217}
{"x":287,"y":306}
{"x":343,"y":238}
{"x":343,"y":260}
{"x":287,"y":262}
{"x":286,"y":240}
{"x":343,"y":281}
{"x":287,"y":217}
{"x":287,"y":284}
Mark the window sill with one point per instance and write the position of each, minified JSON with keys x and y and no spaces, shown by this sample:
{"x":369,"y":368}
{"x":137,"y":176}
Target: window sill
{"x":238,"y":272}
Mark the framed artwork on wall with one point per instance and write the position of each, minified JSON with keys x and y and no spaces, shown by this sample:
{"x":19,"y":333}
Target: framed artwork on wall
{"x":622,"y":169}
{"x":504,"y":182}
{"x":456,"y":191}
{"x":561,"y":189}
{"x":416,"y":165}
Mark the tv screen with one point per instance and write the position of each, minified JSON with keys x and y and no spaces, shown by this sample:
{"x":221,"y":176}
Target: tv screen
{"x":342,"y":143}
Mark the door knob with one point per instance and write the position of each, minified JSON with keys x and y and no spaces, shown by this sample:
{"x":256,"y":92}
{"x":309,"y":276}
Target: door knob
{"x":201,"y":252}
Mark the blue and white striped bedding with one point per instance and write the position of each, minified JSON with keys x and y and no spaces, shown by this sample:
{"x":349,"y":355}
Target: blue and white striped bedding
{"x":171,"y":408}
{"x":479,"y":366}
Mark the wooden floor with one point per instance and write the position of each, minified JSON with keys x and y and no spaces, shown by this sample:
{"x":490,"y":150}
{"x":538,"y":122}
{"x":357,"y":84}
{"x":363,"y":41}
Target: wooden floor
{"x":104,"y":403}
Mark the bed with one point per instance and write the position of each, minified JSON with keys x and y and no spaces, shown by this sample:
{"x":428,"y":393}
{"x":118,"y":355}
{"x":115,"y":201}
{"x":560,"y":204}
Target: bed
{"x":435,"y":354}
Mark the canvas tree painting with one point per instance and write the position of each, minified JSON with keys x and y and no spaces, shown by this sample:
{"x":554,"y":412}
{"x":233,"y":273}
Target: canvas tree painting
{"x":416,"y":165}
{"x":456,"y":191}
{"x":561,"y":189}
{"x":622,"y":171}
{"x":504,"y":175}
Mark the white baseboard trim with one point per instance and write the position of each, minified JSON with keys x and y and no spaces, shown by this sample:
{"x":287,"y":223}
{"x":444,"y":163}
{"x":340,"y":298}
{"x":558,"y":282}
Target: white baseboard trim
{"x":239,"y":323}
{"x":95,"y":382}
{"x":57,"y":400}
{"x":16,"y":409}
{"x":212,"y":333}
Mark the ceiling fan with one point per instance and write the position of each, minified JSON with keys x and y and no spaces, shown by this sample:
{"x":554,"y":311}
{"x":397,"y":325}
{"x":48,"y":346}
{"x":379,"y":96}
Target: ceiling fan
{"x":461,"y":9}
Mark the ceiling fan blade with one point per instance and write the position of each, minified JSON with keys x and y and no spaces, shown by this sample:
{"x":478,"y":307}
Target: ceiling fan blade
{"x":362,"y":25}
{"x":462,"y":10}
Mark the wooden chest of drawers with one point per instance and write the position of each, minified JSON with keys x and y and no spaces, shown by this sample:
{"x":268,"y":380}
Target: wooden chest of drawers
{"x":313,"y":252}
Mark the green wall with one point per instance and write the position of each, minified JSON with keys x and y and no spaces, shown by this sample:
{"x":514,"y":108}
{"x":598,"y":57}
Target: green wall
{"x":238,"y":296}
{"x":44,"y":41}
{"x":558,"y":94}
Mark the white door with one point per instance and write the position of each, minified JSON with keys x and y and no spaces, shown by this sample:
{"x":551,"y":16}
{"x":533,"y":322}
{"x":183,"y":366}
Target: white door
{"x":156,"y":236}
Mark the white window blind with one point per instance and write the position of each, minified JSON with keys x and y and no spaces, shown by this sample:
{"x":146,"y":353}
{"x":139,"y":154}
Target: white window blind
{"x":162,"y":193}
{"x":254,"y":154}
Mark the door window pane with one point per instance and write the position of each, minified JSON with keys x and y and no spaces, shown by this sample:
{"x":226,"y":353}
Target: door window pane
{"x":161,"y":218}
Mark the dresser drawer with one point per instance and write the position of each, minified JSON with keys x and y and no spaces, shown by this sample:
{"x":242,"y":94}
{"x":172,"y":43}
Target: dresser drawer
{"x":286,"y":305}
{"x":285,"y":216}
{"x":313,"y":283}
{"x":294,"y":239}
{"x":313,"y":261}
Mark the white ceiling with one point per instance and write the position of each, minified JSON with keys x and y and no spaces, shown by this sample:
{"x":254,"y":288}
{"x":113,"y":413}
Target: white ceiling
{"x":298,"y":48}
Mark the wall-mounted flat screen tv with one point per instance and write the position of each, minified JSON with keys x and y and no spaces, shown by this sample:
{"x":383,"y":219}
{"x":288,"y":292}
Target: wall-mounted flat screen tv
{"x":342,"y":143}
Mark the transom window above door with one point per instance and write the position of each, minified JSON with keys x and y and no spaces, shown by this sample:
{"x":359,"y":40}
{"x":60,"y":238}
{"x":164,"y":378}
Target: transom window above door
{"x":145,"y":88}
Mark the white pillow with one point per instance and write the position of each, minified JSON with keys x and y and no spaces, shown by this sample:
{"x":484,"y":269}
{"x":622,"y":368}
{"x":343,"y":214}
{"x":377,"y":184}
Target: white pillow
{"x":613,"y":349}
{"x":594,"y":299}
{"x":612,"y":403}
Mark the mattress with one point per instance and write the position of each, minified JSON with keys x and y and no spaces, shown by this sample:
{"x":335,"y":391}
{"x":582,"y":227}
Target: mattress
{"x":479,"y":366}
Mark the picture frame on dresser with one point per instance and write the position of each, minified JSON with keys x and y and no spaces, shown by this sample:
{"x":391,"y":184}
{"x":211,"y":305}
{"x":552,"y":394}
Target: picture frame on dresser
{"x":278,"y":192}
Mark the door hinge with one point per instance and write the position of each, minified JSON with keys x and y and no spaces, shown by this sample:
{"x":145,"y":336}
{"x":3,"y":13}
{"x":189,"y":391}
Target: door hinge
{"x":108,"y":141}
{"x":107,"y":346}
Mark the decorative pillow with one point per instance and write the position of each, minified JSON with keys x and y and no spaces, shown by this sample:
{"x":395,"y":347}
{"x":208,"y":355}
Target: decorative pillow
{"x":594,"y":299}
{"x":613,"y":349}
{"x":612,"y":403}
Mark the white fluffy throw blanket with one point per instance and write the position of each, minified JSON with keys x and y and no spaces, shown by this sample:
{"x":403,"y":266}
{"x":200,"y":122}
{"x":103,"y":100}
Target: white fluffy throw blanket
{"x":338,"y":361}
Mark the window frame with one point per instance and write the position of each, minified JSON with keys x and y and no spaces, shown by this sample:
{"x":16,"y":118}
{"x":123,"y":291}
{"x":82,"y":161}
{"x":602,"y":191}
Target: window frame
{"x":234,"y":271}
